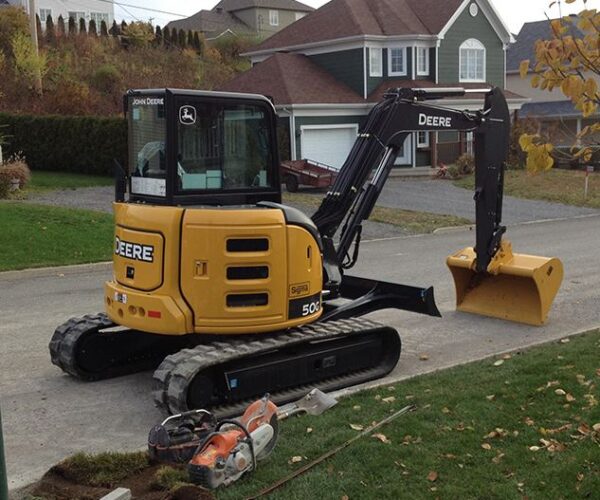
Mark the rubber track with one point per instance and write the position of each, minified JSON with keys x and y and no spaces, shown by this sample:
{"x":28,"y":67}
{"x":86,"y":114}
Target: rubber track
{"x":65,"y":337}
{"x":177,"y":371}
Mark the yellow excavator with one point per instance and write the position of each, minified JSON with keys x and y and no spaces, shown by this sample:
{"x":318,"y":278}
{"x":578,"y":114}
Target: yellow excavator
{"x":230,"y":294}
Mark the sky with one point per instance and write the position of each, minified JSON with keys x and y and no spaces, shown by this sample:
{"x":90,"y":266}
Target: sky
{"x":514,"y":12}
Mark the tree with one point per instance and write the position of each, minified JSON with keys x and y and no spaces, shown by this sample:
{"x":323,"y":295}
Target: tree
{"x":50,"y":31}
{"x":72,"y":26}
{"x":82,"y":29}
{"x":190,"y":39}
{"x":197,"y":43}
{"x":92,"y":30}
{"x":166,"y":37}
{"x":29,"y":65}
{"x":114,"y":29}
{"x":158,"y":36}
{"x":123,"y":26}
{"x":60,"y":27}
{"x":567,"y":62}
{"x":181,"y":38}
{"x":174,"y":37}
{"x":103,"y":28}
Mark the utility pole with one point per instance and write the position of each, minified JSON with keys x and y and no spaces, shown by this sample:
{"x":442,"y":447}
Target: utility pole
{"x":34,"y":41}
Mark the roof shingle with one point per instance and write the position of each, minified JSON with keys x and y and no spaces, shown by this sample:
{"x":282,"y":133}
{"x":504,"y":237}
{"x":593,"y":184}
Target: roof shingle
{"x":233,"y":5}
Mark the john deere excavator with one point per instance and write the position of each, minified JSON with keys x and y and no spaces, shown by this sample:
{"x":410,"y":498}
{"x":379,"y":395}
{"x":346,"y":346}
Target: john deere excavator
{"x":230,"y":294}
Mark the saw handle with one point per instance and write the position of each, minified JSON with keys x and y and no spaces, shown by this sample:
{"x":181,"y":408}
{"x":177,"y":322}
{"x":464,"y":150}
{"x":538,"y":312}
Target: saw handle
{"x":186,"y":414}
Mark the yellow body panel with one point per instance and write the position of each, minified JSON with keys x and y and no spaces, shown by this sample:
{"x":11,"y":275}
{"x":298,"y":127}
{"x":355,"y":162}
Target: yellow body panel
{"x":186,"y":288}
{"x":517,"y":287}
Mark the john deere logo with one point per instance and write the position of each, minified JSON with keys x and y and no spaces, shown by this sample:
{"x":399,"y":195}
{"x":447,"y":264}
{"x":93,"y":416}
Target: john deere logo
{"x":187,"y":115}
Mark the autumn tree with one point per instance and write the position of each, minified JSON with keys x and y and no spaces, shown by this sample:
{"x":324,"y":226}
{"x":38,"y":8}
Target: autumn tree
{"x":568,"y":62}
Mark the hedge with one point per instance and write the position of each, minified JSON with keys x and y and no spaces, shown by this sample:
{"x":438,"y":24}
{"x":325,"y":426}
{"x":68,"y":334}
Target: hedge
{"x":81,"y":144}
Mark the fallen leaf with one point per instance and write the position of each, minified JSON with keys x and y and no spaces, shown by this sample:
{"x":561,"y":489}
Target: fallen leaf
{"x":499,"y":362}
{"x":309,"y":430}
{"x":357,"y":427}
{"x":580,"y":476}
{"x":378,"y":397}
{"x":409,"y":397}
{"x":498,"y":458}
{"x":296,"y":459}
{"x":596,"y":427}
{"x":390,"y":399}
{"x":391,"y":388}
{"x":450,"y":456}
{"x":356,"y":407}
{"x":61,"y":275}
{"x":432,"y":476}
{"x":534,"y":448}
{"x":345,"y":497}
{"x":529,"y":421}
{"x":570,"y":398}
{"x":491,"y":397}
{"x":381,"y":438}
{"x":598,"y":372}
{"x":486,"y":446}
{"x":565,"y":341}
{"x":560,"y":392}
{"x":424,"y":357}
{"x":445,"y":410}
{"x":507,"y":356}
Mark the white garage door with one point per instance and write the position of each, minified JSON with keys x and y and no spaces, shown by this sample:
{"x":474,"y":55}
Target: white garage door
{"x":328,"y":144}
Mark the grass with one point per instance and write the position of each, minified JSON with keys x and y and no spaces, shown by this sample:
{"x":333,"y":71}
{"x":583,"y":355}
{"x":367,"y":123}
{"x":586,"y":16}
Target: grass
{"x":36,"y":236}
{"x":44,"y":181}
{"x":473,"y":434}
{"x":411,"y":221}
{"x":559,"y":186}
{"x":519,"y":426}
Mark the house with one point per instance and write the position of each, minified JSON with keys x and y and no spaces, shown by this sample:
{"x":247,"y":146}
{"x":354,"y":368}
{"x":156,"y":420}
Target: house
{"x":554,"y":114}
{"x":327,"y":70}
{"x":78,"y":9}
{"x":260,"y":18}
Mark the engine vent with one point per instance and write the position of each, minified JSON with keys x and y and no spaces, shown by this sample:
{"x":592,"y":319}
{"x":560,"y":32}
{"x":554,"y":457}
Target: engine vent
{"x":248,"y":273}
{"x":247,"y":300}
{"x":247,"y":245}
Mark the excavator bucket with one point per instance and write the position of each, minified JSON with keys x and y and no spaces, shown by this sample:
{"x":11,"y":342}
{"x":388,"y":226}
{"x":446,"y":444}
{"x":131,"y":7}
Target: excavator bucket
{"x":516,"y":287}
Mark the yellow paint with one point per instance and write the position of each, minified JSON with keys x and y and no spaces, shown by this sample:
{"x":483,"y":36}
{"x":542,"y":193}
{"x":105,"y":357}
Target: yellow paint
{"x":189,"y":287}
{"x":517,"y":287}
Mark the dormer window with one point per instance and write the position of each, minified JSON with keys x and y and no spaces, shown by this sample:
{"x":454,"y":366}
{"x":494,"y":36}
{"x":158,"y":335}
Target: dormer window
{"x":274,"y":17}
{"x":422,"y":61}
{"x":472,"y":61}
{"x":375,"y":62}
{"x":397,"y":61}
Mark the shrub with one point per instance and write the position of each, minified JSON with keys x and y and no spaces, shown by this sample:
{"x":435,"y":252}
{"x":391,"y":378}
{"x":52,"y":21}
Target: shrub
{"x":453,"y":172}
{"x":79,"y":144}
{"x":4,"y":187}
{"x":15,"y":168}
{"x":106,"y":78}
{"x":465,"y":164}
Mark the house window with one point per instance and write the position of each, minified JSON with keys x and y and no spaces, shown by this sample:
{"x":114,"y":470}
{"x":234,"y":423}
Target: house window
{"x":274,"y":17}
{"x":300,"y":15}
{"x":472,"y":61}
{"x":44,"y":13}
{"x":422,"y":61}
{"x":423,"y":139}
{"x":375,"y":62}
{"x":397,"y":61}
{"x":98,"y":17}
{"x":76,"y":15}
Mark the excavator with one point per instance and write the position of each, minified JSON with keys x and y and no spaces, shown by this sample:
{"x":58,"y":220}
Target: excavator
{"x":229,"y":294}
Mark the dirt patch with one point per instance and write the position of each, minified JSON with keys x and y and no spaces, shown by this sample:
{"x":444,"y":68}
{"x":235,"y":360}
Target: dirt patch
{"x":54,"y":486}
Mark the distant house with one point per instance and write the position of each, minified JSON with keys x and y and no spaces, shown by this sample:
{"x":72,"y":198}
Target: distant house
{"x":327,"y":70}
{"x":77,"y":9}
{"x":261,"y":18}
{"x":555,"y":114}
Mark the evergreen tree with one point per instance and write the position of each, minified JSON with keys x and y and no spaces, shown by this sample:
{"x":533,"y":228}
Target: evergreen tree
{"x":197,"y":43}
{"x":190,"y":39}
{"x":38,"y":28}
{"x":181,"y":38}
{"x":123,"y":27}
{"x":103,"y":28}
{"x":92,"y":28}
{"x":72,"y":26}
{"x":82,"y":29}
{"x":158,"y":36}
{"x":50,"y":31}
{"x":60,"y":27}
{"x":166,"y":37}
{"x":114,"y":30}
{"x":174,"y":38}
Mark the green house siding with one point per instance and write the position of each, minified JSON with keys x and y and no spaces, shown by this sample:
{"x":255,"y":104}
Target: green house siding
{"x":375,"y":81}
{"x":346,"y":66}
{"x":466,"y":27}
{"x":322,"y":120}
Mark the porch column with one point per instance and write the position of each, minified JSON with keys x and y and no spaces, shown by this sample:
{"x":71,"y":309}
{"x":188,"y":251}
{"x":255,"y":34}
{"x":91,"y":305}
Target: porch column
{"x":434,"y":150}
{"x":415,"y":138}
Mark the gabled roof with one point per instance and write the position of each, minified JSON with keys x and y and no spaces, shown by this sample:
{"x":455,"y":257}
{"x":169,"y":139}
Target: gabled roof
{"x":293,"y":79}
{"x":208,"y":21}
{"x":347,"y":18}
{"x":233,"y":5}
{"x":524,"y":46}
{"x":557,"y":109}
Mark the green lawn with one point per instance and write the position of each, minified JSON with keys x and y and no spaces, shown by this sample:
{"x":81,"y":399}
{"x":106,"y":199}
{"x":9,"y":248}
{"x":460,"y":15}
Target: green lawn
{"x":37,"y":236}
{"x":42,"y":181}
{"x":560,"y":186}
{"x":519,"y":426}
{"x":411,"y":221}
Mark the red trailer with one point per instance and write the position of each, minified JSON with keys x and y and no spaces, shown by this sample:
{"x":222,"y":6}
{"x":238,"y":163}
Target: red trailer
{"x":307,"y":173}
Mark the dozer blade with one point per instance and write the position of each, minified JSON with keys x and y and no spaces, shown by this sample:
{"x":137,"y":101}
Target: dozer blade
{"x":516,"y":287}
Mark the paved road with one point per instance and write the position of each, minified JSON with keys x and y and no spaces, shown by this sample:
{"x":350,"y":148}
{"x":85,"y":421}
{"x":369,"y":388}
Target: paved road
{"x":48,"y":415}
{"x":440,"y":197}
